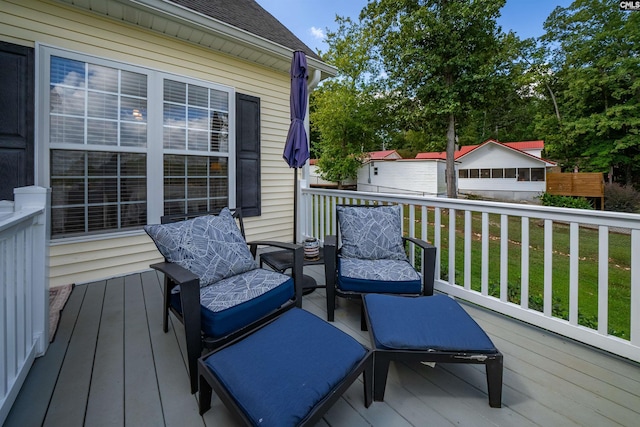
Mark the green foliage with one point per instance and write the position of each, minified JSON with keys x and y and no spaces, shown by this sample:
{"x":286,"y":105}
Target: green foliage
{"x":619,"y":198}
{"x":565,"y":201}
{"x":347,"y":116}
{"x":442,"y":60}
{"x":593,"y":51}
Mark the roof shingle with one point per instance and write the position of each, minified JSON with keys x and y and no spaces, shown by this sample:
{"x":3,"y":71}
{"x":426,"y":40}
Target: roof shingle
{"x":248,"y":15}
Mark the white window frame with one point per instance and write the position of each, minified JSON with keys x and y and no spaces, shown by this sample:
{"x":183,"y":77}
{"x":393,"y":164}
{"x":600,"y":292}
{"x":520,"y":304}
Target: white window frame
{"x":154,"y":149}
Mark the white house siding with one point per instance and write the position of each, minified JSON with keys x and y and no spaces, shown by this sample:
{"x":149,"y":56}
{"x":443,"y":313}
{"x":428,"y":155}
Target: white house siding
{"x":421,"y":177}
{"x":27,"y":22}
{"x":493,"y":156}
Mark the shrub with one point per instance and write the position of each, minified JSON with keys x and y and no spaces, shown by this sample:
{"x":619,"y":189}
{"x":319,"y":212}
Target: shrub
{"x":565,"y":201}
{"x":621,"y":198}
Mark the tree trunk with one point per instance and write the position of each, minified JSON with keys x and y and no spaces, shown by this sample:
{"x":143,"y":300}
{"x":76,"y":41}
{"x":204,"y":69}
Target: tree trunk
{"x":452,"y":190}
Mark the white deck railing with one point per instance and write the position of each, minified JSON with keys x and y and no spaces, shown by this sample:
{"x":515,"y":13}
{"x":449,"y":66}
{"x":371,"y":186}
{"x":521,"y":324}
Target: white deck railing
{"x":24,"y":289}
{"x":473,"y":235}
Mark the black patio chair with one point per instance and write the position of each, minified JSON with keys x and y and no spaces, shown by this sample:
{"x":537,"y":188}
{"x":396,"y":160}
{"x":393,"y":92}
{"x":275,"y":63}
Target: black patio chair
{"x":213,"y":284}
{"x":372,"y":257}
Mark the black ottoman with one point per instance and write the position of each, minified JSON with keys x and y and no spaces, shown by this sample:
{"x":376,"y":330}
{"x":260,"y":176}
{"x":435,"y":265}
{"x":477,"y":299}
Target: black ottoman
{"x":428,"y":329}
{"x":287,"y":373}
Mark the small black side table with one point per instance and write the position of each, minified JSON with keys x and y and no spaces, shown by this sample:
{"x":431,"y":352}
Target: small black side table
{"x":281,"y":261}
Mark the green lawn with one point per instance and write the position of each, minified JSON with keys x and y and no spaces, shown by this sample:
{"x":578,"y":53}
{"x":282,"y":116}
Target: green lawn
{"x":619,"y":266}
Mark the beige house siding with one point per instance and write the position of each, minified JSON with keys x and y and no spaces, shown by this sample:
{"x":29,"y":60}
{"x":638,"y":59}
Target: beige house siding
{"x":28,"y":22}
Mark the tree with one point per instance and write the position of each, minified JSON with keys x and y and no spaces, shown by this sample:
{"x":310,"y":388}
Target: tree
{"x":442,"y":58}
{"x":593,"y":50}
{"x":347,"y":115}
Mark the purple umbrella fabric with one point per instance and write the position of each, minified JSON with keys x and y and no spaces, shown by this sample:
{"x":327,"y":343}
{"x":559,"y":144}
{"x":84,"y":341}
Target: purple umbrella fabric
{"x":296,"y":149}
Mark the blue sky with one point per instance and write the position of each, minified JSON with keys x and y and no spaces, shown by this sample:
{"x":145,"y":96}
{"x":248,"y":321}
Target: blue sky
{"x":309,"y":19}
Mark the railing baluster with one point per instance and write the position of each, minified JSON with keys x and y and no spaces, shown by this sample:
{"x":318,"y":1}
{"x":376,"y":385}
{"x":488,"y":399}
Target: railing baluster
{"x":437,"y":240}
{"x":603,"y":280}
{"x":484,"y":275}
{"x":574,"y":256}
{"x":635,"y":288}
{"x":504,"y":257}
{"x":452,"y":247}
{"x":548,"y":268}
{"x":468,"y":239}
{"x":524,"y":264}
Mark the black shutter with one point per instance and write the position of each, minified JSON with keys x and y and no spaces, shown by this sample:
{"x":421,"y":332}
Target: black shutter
{"x":16,"y":118}
{"x":248,"y":154}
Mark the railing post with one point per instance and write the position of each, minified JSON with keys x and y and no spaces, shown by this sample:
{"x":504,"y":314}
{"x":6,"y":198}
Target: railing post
{"x":38,"y":198}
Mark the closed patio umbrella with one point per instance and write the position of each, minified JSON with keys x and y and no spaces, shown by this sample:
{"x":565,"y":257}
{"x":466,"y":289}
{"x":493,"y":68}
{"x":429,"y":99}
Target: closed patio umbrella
{"x":296,"y":148}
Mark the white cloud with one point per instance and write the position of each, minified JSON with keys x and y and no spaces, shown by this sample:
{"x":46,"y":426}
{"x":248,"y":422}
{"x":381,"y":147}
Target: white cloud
{"x":318,"y":33}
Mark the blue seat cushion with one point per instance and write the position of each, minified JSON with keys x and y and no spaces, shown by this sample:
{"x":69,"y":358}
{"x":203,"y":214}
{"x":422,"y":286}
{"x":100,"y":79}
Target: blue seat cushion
{"x":378,"y":276}
{"x":232,"y":303}
{"x":279,"y":373}
{"x":433,"y":323}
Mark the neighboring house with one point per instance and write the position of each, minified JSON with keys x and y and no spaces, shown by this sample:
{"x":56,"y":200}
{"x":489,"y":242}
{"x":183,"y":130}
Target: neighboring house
{"x":131,"y":109}
{"x":315,"y":180}
{"x":506,"y":171}
{"x":403,"y":176}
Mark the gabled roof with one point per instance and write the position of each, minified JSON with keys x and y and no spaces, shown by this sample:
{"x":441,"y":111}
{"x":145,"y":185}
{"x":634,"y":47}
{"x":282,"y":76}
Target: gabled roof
{"x":250,"y":16}
{"x":466,"y":149}
{"x":384,"y":155}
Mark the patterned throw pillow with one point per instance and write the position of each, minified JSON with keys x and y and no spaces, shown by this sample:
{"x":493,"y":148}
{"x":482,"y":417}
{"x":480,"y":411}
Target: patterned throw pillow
{"x":211,"y":247}
{"x":371,"y":232}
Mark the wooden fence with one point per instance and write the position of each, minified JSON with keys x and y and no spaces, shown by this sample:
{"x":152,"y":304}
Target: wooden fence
{"x":581,"y":184}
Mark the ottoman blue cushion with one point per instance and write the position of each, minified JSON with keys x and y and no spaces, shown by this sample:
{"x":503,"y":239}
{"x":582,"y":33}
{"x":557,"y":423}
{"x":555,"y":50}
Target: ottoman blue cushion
{"x":424,"y":323}
{"x":279,"y":373}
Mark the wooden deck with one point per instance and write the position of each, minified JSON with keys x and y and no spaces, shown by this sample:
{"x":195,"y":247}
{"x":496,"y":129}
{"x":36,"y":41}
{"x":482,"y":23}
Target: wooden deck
{"x":110,"y":364}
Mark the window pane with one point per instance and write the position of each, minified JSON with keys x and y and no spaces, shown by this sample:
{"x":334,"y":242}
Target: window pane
{"x":537,"y":174}
{"x":474,"y":173}
{"x":463,"y":173}
{"x":219,"y":100}
{"x":102,"y":105}
{"x":497,"y":173}
{"x":133,"y":110}
{"x":485,"y":173}
{"x":198,"y":140}
{"x":175,"y":138}
{"x":101,"y":132}
{"x":133,"y":84}
{"x":198,"y":96}
{"x":510,"y":173}
{"x":175,"y":91}
{"x":198,"y":119}
{"x":67,"y":101}
{"x":67,"y":72}
{"x":103,"y":78}
{"x":523,"y":174}
{"x":67,"y":130}
{"x":133,"y":134}
{"x":175,"y":115}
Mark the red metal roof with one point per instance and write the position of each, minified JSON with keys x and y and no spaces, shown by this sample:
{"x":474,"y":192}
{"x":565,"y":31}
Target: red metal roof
{"x":465,"y":149}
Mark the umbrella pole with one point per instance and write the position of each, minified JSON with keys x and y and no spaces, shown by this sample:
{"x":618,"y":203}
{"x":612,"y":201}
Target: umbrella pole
{"x":295,"y":205}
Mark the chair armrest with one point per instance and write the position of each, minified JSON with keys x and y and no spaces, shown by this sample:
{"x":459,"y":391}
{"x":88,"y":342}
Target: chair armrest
{"x":179,"y":275}
{"x":189,"y":299}
{"x":298,"y":262}
{"x":330,"y":259}
{"x":428,"y":263}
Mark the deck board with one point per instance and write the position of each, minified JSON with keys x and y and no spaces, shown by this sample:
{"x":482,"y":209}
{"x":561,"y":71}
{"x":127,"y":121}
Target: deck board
{"x":111,"y":364}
